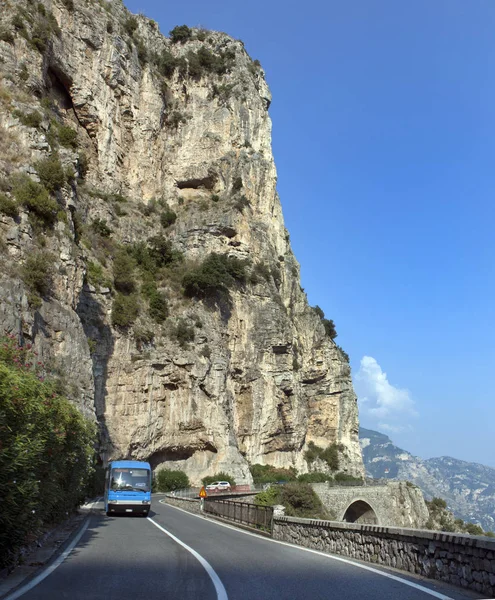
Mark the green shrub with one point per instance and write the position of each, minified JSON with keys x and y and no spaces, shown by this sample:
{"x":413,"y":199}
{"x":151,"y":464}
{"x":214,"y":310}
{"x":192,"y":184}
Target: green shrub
{"x":123,"y":272}
{"x":67,"y":136}
{"x":51,"y":173}
{"x":100,"y":227}
{"x":167,"y":63}
{"x":175,"y":118}
{"x":300,"y":500}
{"x":180,"y":34}
{"x":183,"y":332}
{"x":218,"y":477}
{"x":158,"y":307}
{"x":237,"y":184}
{"x":214,"y":277}
{"x":31,"y":119}
{"x":330,"y":455}
{"x":125,"y":310}
{"x":37,"y":273}
{"x":345,"y":478}
{"x":130,"y":25}
{"x":96,"y":276}
{"x":167,"y":217}
{"x":47,"y":451}
{"x":82,"y":165}
{"x":315,"y":477}
{"x":271,"y":474}
{"x":267,"y":497}
{"x":8,"y":206}
{"x":36,"y":199}
{"x":69,"y":4}
{"x":329,"y":326}
{"x":168,"y":480}
{"x":437,"y":504}
{"x":6,"y":36}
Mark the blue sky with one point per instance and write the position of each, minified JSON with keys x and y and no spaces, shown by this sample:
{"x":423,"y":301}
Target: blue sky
{"x":384,"y":142}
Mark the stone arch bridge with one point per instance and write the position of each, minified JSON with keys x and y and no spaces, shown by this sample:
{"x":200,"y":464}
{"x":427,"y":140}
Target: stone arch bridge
{"x":390,"y":503}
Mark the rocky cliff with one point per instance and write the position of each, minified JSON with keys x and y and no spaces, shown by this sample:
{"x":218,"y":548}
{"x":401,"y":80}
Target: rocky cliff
{"x":143,"y":248}
{"x":468,"y":488}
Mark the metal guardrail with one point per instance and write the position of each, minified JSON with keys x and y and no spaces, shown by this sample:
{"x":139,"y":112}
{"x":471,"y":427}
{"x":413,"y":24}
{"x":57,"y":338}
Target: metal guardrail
{"x":258,"y":517}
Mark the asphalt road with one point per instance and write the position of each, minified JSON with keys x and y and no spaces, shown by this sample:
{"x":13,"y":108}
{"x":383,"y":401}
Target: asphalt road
{"x":133,"y":558}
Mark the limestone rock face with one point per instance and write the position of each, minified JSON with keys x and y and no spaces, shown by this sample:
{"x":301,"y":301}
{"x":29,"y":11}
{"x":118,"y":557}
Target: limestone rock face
{"x":260,"y":379}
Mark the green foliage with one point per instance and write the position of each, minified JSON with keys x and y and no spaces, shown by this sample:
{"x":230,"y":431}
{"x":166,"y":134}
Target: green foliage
{"x":100,"y":227}
{"x":183,"y":332}
{"x":180,"y":34}
{"x":345,"y":478}
{"x":37,"y":273}
{"x":215,"y":277}
{"x":51,"y":173}
{"x":6,"y":36}
{"x":330,"y":455}
{"x":299,"y":499}
{"x":125,"y":310}
{"x":158,"y":307}
{"x":175,"y":118}
{"x":67,"y":136}
{"x":130,"y":25}
{"x":329,"y":326}
{"x":237,"y":184}
{"x":436,"y":504}
{"x":36,"y":199}
{"x":31,"y":119}
{"x":168,"y":480}
{"x":271,"y":474}
{"x":123,"y":272}
{"x":96,"y":276}
{"x":167,"y":63}
{"x":8,"y":206}
{"x":344,"y":354}
{"x":69,"y":4}
{"x":267,"y":497}
{"x":218,"y":477}
{"x":82,"y":165}
{"x":167,"y":217}
{"x":315,"y":477}
{"x":47,"y":451}
{"x":473,"y":529}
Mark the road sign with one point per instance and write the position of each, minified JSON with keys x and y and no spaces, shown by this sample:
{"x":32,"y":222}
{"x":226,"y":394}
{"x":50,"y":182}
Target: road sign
{"x":202,"y":492}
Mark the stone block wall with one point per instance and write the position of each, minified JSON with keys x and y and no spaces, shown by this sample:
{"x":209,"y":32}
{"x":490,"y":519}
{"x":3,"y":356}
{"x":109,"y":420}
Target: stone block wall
{"x":190,"y":504}
{"x":462,"y":560}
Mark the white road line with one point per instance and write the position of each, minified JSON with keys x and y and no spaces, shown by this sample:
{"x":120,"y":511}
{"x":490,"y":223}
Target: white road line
{"x":51,"y":568}
{"x":330,"y":556}
{"x":220,"y":590}
{"x":34,"y":582}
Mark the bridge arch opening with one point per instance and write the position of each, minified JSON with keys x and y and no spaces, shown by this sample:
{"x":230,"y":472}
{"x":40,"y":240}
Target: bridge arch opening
{"x":360,"y":512}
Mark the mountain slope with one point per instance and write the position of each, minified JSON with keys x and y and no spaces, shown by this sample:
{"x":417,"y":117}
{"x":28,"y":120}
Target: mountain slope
{"x":468,"y":488}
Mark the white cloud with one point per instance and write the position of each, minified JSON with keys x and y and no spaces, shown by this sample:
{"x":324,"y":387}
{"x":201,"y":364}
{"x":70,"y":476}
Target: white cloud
{"x":379,"y":399}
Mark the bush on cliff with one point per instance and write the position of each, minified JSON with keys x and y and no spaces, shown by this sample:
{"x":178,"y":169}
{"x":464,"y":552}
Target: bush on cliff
{"x":299,"y":500}
{"x":213,"y":279}
{"x":271,"y":474}
{"x":168,"y":480}
{"x":46,"y":451}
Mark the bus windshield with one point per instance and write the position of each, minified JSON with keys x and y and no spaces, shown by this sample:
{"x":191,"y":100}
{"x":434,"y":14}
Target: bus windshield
{"x":130,"y":479}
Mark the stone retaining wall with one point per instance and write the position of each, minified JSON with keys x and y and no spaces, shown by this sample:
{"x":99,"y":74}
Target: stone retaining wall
{"x":190,"y":504}
{"x":462,"y":560}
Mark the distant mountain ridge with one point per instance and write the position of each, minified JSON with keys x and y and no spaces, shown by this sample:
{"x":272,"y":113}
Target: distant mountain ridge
{"x":467,"y":487}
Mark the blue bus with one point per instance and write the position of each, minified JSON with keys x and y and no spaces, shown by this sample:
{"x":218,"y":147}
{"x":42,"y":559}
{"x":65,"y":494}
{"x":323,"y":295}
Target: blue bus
{"x":128,"y":487}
